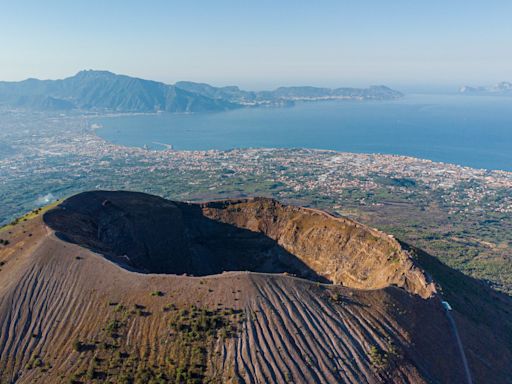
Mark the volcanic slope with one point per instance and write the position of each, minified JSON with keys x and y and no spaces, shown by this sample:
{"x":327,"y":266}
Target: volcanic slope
{"x":125,"y":287}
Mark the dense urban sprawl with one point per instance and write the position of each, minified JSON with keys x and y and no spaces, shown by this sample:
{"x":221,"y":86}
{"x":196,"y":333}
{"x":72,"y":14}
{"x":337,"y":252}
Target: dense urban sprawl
{"x":461,"y":215}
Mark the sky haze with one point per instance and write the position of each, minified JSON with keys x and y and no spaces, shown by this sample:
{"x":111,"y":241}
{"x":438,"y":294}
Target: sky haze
{"x":262,"y":44}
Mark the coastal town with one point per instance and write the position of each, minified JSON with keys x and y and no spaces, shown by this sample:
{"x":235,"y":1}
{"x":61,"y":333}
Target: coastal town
{"x":461,"y":214}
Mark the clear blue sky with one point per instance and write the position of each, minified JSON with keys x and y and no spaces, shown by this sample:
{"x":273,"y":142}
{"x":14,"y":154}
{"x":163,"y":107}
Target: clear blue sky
{"x":259,"y":44}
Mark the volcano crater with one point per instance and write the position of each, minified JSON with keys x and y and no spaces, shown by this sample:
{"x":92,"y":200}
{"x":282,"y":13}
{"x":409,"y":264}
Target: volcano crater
{"x":149,"y":234}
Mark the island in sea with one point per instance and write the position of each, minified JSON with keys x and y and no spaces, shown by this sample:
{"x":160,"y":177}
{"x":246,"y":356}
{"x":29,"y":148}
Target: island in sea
{"x":503,"y":88}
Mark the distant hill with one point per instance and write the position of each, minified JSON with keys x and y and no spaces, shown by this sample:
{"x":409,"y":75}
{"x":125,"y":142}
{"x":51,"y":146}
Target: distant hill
{"x":503,"y":88}
{"x":289,"y":94}
{"x":103,"y":90}
{"x":306,"y":93}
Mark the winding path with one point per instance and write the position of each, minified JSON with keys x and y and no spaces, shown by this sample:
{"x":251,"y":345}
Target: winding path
{"x":469,"y":378}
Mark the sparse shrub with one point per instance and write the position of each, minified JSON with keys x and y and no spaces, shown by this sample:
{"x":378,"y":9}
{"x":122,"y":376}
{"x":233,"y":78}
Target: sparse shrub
{"x":113,"y":327}
{"x":183,"y":313}
{"x":157,"y":293}
{"x":74,"y":379}
{"x":336,"y":297}
{"x":143,"y":377}
{"x":38,"y":362}
{"x":223,"y":333}
{"x":91,"y":372}
{"x":378,"y":357}
{"x":119,"y":308}
{"x":78,"y":345}
{"x":123,"y":378}
{"x":393,"y":351}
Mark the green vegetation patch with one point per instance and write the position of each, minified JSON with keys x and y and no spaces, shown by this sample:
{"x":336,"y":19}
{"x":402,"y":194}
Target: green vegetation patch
{"x":181,"y":356}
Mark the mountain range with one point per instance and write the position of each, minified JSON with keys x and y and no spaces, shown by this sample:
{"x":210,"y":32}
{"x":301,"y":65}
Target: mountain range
{"x":106,"y":91}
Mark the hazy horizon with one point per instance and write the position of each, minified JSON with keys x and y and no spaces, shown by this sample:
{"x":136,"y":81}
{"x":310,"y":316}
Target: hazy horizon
{"x":264,"y":45}
{"x":408,"y":88}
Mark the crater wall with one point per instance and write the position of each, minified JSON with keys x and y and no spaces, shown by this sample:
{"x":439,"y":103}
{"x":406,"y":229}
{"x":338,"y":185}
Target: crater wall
{"x":153,"y":235}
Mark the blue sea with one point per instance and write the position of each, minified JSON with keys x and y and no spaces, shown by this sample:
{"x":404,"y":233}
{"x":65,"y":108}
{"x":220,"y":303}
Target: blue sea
{"x":473,"y":131}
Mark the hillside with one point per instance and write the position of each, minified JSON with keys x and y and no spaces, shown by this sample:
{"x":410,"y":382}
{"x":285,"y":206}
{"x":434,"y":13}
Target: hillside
{"x":107,"y":91}
{"x":103,"y":90}
{"x":125,"y":287}
{"x":503,"y":88}
{"x":290,"y":94}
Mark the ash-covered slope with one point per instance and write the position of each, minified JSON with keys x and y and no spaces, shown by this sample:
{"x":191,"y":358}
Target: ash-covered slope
{"x":155,"y":235}
{"x":70,"y":314}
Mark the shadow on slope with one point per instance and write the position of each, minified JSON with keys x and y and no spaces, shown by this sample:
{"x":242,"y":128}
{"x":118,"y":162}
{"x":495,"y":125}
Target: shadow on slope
{"x":153,"y":235}
{"x":482,"y":314}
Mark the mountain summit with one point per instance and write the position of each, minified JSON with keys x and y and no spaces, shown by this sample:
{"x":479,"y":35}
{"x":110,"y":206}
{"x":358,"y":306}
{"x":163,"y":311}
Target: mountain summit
{"x":125,"y":287}
{"x":106,"y":91}
{"x":103,"y":90}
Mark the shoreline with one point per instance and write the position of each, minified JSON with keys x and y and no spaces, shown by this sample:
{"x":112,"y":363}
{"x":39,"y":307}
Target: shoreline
{"x":171,"y":148}
{"x":333,"y":127}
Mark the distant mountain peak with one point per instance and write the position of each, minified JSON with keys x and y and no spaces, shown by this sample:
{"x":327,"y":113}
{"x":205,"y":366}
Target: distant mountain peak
{"x":93,"y":89}
{"x":85,"y":72}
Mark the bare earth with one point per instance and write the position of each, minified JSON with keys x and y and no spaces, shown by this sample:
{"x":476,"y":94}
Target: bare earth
{"x":67,"y":279}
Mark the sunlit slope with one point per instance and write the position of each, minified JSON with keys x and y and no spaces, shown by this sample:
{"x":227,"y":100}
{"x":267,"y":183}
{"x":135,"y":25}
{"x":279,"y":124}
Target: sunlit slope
{"x":69,"y":314}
